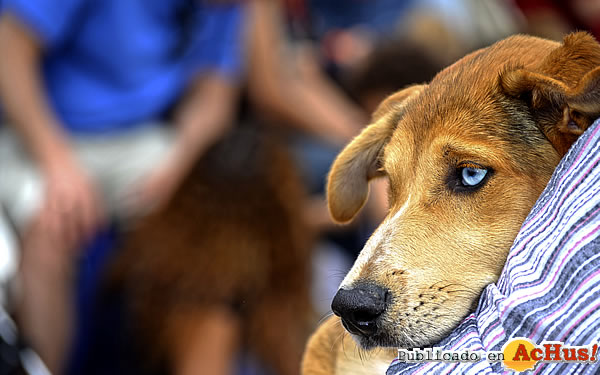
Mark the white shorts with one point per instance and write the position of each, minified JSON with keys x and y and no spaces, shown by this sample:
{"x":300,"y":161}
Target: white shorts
{"x":115,"y":162}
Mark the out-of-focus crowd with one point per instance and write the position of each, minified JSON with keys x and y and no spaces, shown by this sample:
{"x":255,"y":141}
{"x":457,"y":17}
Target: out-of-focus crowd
{"x":106,"y":106}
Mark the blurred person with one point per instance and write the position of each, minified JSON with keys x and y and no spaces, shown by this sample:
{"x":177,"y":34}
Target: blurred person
{"x":288,"y":86}
{"x":287,"y":81}
{"x":348,"y":30}
{"x":86,"y":88}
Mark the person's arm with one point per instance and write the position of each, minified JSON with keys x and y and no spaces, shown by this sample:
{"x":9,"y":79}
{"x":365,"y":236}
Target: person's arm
{"x":70,"y":208}
{"x":203,"y":116}
{"x":303,"y":98}
{"x":22,"y":94}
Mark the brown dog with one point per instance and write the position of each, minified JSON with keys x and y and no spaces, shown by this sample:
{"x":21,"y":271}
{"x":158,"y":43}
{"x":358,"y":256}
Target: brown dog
{"x":225,"y":265}
{"x":466,"y":157}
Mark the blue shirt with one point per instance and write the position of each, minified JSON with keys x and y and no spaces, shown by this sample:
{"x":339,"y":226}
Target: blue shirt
{"x":113,"y":64}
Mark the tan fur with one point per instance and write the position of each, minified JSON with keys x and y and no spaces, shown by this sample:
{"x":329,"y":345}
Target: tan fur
{"x":326,"y":358}
{"x":513,"y":108}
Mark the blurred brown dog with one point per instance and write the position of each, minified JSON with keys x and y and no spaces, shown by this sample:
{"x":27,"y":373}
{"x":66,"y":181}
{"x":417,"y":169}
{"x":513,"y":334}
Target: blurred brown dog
{"x":225,"y":265}
{"x":466,"y":157}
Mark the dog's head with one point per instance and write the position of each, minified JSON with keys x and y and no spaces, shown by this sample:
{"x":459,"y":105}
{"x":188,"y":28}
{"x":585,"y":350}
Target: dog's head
{"x":466,"y":157}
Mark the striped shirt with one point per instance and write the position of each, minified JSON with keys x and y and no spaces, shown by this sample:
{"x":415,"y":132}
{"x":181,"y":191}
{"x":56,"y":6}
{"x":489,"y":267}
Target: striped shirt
{"x":549,"y":289}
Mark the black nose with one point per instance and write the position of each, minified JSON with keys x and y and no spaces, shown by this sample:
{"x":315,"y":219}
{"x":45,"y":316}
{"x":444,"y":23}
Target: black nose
{"x":360,"y":307}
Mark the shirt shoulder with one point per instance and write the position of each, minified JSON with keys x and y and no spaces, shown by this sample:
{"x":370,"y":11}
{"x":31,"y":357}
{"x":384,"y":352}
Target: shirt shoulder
{"x":50,"y":20}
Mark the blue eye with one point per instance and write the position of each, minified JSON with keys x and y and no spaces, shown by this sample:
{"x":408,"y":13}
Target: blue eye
{"x":472,"y":176}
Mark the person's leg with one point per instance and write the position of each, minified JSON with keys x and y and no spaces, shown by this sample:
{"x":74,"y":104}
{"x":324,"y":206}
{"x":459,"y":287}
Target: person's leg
{"x":45,"y":309}
{"x":44,"y":281}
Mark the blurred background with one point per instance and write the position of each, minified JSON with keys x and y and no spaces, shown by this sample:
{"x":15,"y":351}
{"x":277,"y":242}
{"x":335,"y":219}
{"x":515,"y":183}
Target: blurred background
{"x":163,"y":167}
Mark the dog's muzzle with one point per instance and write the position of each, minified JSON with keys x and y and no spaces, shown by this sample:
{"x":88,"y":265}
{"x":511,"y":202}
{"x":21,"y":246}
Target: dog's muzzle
{"x":360,"y":308}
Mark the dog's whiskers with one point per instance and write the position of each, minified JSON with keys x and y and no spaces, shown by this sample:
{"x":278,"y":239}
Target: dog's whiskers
{"x":340,"y":338}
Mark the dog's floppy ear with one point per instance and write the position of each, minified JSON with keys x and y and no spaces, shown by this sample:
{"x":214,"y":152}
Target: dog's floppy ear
{"x":564,"y":92}
{"x":348,"y":184}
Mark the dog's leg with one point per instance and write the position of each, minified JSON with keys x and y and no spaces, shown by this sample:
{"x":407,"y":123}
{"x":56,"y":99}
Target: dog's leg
{"x":277,"y":329}
{"x":331,"y":350}
{"x":203,"y":341}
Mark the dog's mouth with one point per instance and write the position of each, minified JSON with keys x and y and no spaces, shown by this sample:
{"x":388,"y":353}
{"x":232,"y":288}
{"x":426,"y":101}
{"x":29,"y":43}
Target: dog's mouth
{"x":380,"y":339}
{"x":398,"y":337}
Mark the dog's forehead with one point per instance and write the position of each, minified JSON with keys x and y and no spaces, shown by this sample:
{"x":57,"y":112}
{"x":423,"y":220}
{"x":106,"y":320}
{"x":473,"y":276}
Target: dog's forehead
{"x":482,"y":126}
{"x":436,"y":122}
{"x":463,"y":106}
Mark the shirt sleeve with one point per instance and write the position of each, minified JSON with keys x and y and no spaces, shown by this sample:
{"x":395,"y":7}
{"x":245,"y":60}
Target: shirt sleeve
{"x":218,"y":40}
{"x":50,"y":20}
{"x":549,"y":289}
